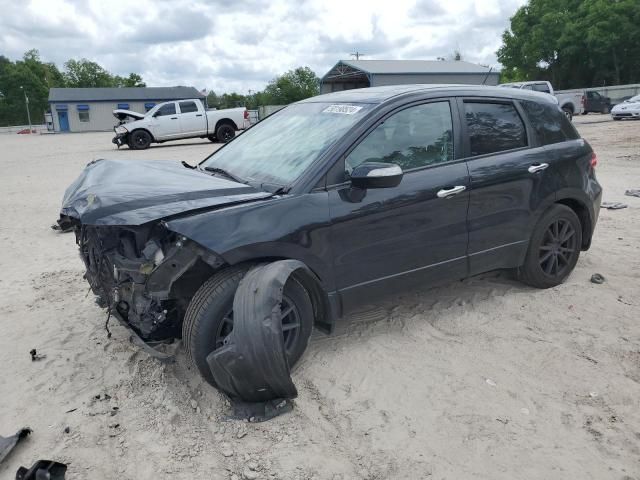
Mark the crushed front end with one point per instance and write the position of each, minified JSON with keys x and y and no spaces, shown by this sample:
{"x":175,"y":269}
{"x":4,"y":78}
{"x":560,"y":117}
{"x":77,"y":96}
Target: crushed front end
{"x":143,"y":275}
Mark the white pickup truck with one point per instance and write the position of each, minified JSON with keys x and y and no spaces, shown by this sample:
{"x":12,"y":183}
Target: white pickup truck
{"x":177,"y":120}
{"x":570,"y":103}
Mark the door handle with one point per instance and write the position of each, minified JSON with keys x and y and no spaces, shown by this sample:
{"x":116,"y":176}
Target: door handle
{"x":174,"y":118}
{"x":198,"y":114}
{"x":448,"y":192}
{"x":537,"y":167}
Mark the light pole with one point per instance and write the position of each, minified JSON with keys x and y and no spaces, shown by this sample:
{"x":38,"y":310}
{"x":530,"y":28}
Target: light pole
{"x":26,"y":102}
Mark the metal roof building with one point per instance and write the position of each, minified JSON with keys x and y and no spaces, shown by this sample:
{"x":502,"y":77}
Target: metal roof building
{"x":348,"y":74}
{"x":91,"y":109}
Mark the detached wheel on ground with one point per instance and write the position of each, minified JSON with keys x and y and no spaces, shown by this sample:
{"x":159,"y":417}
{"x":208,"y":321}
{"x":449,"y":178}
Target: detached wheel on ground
{"x":225,"y":132}
{"x":568,"y":113}
{"x":554,"y":248}
{"x":208,"y":320}
{"x":139,"y":139}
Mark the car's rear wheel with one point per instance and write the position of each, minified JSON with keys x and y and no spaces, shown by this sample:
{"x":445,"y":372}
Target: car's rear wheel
{"x":139,"y":139}
{"x":208,"y":320}
{"x":225,"y":132}
{"x":554,"y":248}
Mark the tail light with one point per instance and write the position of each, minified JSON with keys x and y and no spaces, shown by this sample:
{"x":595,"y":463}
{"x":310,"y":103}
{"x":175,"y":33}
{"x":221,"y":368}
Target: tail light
{"x":246,"y":114}
{"x":584,"y":101}
{"x":594,"y":160}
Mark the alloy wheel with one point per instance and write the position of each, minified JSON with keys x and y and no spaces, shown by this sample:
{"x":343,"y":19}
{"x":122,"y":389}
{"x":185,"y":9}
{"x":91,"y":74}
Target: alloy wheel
{"x":558,"y":248}
{"x":289,"y":316}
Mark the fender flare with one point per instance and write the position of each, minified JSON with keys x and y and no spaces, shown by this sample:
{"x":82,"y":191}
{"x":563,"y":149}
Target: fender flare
{"x":252,"y":366}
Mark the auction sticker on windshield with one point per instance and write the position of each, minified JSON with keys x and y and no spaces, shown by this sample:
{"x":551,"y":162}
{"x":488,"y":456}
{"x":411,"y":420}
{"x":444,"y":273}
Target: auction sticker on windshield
{"x":344,"y":109}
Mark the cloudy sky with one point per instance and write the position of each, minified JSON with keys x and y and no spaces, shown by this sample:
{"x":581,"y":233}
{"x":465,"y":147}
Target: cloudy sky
{"x":237,"y":45}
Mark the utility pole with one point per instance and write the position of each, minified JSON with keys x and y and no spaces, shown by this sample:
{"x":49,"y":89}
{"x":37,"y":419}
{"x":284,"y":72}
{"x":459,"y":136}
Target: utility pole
{"x":26,"y":102}
{"x":357,"y":54}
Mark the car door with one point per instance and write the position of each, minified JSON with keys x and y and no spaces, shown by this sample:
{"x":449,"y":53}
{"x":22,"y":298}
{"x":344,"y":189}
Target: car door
{"x":192,"y":121}
{"x":165,"y":123}
{"x":389,"y":238}
{"x":506,"y":167}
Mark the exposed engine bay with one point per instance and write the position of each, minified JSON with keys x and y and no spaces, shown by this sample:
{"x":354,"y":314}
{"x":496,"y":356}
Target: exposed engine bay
{"x":139,"y":274}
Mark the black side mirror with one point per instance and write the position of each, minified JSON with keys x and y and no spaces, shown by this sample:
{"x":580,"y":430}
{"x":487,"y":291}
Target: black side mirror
{"x":376,"y":175}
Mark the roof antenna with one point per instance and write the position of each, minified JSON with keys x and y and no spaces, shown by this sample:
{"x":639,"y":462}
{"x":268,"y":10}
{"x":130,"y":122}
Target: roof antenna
{"x":357,"y":54}
{"x":487,"y":75}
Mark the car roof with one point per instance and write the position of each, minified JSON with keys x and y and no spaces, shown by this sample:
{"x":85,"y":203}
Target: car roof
{"x":377,"y":95}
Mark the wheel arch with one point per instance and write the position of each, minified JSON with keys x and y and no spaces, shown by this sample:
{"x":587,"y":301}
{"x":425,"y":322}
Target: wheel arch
{"x":225,"y":121}
{"x":582,"y":211}
{"x":153,"y":139}
{"x":200,"y":271}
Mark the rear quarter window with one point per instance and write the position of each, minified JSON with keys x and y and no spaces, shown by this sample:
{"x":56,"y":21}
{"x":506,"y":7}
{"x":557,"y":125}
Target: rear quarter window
{"x":549,"y":123}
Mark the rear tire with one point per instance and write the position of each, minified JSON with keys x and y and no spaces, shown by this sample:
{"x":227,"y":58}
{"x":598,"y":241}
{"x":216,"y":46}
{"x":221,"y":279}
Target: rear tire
{"x":554,"y":248}
{"x":225,"y":132}
{"x":209,"y":318}
{"x":139,"y":139}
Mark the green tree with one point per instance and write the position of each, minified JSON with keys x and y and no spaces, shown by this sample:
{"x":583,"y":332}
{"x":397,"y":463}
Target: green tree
{"x":133,"y":80}
{"x":292,"y":86}
{"x":30,"y":77}
{"x":573,"y":43}
{"x":85,"y":73}
{"x":212,"y":99}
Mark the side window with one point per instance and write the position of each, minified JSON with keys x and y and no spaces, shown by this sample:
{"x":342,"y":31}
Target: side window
{"x":494,"y":127}
{"x":415,"y":137}
{"x":541,"y":87}
{"x":168,"y":109}
{"x":551,"y":125}
{"x":188,"y":107}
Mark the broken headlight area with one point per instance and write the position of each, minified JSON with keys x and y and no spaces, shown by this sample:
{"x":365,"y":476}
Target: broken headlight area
{"x":135,"y":271}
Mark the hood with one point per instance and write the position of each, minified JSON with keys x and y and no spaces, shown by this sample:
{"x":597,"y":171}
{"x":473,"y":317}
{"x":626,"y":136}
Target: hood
{"x":133,"y":192}
{"x":122,"y":114}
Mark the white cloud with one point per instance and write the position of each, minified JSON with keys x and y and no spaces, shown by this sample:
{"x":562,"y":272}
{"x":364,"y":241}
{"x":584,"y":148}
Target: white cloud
{"x":230,"y":45}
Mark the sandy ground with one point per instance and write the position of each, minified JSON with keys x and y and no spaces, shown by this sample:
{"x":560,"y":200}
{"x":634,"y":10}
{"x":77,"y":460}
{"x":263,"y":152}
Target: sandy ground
{"x":481,"y":379}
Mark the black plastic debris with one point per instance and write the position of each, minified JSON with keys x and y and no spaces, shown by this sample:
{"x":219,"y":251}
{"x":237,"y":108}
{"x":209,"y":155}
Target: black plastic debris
{"x":597,"y":278}
{"x":613,"y":205}
{"x":252,"y":367}
{"x":35,"y":356}
{"x":43,"y":470}
{"x":633,"y":192}
{"x":8,"y":443}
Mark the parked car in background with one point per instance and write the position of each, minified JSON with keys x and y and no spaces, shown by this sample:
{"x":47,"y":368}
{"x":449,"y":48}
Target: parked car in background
{"x":178,"y":120}
{"x":628,"y":109}
{"x":596,"y":103}
{"x":374,"y":190}
{"x":570,"y":103}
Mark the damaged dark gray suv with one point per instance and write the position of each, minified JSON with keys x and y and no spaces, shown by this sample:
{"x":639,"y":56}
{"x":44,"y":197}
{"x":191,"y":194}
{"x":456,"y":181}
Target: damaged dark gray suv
{"x":369,"y":191}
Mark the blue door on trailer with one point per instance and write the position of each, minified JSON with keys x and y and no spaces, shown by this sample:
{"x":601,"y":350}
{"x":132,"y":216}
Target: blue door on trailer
{"x":63,"y":119}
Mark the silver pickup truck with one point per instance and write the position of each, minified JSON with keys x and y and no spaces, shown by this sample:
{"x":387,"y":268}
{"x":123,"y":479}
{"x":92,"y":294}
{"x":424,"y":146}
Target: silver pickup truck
{"x":570,"y":103}
{"x":177,"y":120}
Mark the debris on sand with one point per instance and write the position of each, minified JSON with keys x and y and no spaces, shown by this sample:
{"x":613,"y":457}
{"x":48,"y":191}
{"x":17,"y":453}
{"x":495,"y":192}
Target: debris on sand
{"x":8,"y":443}
{"x":597,"y":278}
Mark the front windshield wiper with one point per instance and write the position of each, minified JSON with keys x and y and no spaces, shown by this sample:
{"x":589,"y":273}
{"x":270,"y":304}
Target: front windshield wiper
{"x":222,"y":171}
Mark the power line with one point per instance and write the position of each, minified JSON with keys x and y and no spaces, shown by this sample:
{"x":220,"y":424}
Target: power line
{"x":357,"y":54}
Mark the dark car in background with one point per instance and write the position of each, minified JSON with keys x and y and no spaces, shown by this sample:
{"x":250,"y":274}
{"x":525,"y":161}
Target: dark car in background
{"x":373,"y":190}
{"x":596,"y":103}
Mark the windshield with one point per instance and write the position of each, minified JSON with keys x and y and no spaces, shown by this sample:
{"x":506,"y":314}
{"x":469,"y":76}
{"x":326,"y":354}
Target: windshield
{"x":282,"y":146}
{"x":634,"y":99}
